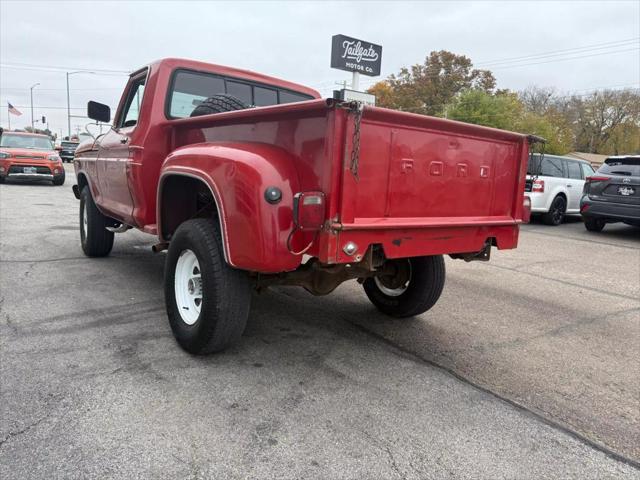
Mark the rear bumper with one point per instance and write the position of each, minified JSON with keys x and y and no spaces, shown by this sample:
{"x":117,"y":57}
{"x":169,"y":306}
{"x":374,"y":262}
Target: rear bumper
{"x":539,"y":202}
{"x":415,"y":242}
{"x":608,"y":210}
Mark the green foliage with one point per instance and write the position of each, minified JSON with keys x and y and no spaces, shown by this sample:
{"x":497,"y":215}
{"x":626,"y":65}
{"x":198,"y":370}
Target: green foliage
{"x":427,"y":88}
{"x":447,"y":85}
{"x":506,"y":111}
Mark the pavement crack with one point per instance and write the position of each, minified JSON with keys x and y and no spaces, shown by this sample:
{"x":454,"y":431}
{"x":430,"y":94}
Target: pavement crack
{"x":564,"y":428}
{"x":555,"y":331}
{"x":23,"y":430}
{"x":564,"y":282}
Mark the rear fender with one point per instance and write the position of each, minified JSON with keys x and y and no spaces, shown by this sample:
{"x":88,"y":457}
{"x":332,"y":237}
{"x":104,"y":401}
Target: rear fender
{"x":254,"y":231}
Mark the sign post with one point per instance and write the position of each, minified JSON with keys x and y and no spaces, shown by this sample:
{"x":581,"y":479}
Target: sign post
{"x":358,"y":57}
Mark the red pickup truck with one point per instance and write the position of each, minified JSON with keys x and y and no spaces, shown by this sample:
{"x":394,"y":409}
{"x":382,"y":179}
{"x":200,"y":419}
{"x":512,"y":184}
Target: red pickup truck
{"x":250,"y":181}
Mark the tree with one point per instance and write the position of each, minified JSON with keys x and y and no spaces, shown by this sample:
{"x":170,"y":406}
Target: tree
{"x":505,"y":110}
{"x":427,"y":88}
{"x":606,"y":121}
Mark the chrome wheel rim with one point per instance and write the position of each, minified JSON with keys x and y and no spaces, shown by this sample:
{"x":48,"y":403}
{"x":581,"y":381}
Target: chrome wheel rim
{"x":188,"y":287}
{"x":393,"y":286}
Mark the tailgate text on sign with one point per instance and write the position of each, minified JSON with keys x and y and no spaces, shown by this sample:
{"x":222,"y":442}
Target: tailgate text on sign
{"x":355,"y":55}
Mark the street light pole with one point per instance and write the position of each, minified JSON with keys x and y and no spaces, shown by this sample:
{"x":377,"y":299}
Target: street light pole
{"x":69,"y":100}
{"x":32,"y":87}
{"x":68,"y":110}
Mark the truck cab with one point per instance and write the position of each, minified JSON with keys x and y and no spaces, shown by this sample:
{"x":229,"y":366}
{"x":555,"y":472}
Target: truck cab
{"x":250,"y":181}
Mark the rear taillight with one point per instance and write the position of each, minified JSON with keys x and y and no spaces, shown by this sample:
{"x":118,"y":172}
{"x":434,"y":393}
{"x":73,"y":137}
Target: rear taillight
{"x":596,"y":179}
{"x":526,"y":209}
{"x":308,"y":211}
{"x":537,"y":186}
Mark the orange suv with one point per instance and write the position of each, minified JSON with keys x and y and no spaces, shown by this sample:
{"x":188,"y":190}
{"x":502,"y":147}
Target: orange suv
{"x":29,"y":156}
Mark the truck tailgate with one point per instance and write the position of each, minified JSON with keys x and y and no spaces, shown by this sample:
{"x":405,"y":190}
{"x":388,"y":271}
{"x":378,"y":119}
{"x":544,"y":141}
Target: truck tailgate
{"x":418,"y":172}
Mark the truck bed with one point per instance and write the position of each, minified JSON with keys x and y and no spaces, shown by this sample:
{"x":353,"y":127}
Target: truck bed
{"x":420,"y":186}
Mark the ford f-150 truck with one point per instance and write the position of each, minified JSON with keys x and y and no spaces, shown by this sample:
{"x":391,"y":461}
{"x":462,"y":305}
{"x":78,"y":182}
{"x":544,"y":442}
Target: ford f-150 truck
{"x":250,"y":181}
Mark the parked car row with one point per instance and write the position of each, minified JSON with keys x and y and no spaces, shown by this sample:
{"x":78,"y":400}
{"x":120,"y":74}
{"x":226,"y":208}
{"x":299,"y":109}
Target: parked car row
{"x":559,"y":186}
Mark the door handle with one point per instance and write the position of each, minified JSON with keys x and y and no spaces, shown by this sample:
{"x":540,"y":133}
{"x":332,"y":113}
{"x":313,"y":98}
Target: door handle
{"x":124,"y":140}
{"x":569,"y":185}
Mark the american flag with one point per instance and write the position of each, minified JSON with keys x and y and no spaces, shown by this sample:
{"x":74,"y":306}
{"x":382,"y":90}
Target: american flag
{"x":13,"y":110}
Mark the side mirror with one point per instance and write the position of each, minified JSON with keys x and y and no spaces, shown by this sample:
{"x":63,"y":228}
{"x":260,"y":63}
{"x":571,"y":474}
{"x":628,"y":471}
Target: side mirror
{"x":98,"y":112}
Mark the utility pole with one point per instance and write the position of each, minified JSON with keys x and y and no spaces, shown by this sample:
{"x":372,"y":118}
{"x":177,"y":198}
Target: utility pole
{"x":69,"y":99}
{"x":32,"y":87}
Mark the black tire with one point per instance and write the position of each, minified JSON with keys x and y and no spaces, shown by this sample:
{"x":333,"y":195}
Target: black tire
{"x":2,"y":179}
{"x":95,"y":239}
{"x":226,"y":292}
{"x":218,"y":104}
{"x":422,"y":292}
{"x":555,"y":215}
{"x":594,"y":224}
{"x":59,"y":179}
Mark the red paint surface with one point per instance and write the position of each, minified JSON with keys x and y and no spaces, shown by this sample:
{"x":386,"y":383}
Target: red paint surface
{"x":425,"y":185}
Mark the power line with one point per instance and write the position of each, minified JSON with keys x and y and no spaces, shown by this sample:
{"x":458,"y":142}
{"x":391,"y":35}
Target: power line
{"x":568,"y":54}
{"x":64,"y":69}
{"x":595,"y":46}
{"x":21,"y":89}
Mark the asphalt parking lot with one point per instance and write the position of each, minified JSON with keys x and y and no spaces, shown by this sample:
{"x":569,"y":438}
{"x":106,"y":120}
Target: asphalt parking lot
{"x":528,"y":367}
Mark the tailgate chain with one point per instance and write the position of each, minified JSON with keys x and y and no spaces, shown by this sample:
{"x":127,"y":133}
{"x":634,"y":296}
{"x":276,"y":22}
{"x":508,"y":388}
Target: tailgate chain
{"x":356,"y":108}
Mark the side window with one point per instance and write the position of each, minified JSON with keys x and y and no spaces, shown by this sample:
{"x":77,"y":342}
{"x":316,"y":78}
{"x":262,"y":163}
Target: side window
{"x":587,"y":170}
{"x":574,"y":170}
{"x":241,"y":91}
{"x":132,"y":106}
{"x":264,"y":96}
{"x":551,"y":167}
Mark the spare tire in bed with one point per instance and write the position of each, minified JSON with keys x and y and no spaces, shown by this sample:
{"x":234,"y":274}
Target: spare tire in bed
{"x":218,"y":104}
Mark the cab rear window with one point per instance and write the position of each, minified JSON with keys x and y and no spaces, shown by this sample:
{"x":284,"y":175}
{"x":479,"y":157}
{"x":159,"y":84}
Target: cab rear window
{"x":189,"y":89}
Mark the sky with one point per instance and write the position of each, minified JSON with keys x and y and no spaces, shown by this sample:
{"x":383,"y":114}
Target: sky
{"x":572,"y":46}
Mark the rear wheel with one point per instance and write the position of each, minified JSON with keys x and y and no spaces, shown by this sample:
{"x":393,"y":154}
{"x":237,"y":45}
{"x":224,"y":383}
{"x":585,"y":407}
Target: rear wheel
{"x":207,"y":301}
{"x":96,"y":240}
{"x":411,"y":287}
{"x":556,"y":212}
{"x":594,"y":224}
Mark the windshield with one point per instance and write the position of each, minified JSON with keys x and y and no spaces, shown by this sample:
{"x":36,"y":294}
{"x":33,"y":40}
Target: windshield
{"x":621,"y":166}
{"x":69,"y":144}
{"x":33,"y":142}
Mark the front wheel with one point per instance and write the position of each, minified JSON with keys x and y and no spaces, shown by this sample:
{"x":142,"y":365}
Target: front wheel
{"x":59,"y":179}
{"x":95,"y":239}
{"x":207,"y":301}
{"x":409,"y":287}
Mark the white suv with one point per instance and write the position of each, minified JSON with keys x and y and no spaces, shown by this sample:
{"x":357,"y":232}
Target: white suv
{"x":554,"y":185}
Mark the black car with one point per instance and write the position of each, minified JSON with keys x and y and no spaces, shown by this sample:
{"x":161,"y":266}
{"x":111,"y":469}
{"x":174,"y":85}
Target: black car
{"x":612,"y":194}
{"x":67,"y":150}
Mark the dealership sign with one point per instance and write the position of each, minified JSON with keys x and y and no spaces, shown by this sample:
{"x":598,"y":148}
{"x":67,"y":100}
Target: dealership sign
{"x":355,"y":55}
